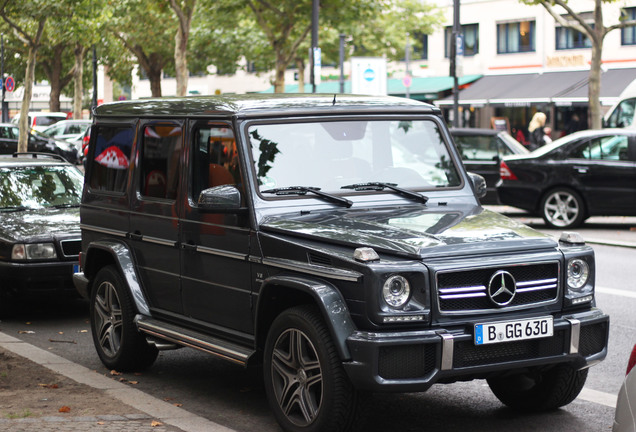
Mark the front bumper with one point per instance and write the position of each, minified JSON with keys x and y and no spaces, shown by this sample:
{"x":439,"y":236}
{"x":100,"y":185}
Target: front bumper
{"x":37,"y":279}
{"x":414,"y":361}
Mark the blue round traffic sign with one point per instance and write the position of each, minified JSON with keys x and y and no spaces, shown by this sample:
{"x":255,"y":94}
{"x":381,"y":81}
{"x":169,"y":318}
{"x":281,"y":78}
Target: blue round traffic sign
{"x":9,"y":84}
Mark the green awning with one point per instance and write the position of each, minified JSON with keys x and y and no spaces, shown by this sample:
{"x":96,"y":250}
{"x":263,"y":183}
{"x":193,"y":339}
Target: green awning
{"x":428,"y":88}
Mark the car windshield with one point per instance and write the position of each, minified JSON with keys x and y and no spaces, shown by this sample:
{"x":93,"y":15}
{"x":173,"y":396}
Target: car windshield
{"x":328,"y":155}
{"x":36,"y":187}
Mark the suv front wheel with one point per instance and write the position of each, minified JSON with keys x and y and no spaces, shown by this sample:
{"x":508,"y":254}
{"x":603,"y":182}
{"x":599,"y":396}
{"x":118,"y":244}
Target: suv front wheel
{"x":119,"y":345}
{"x":305,"y":382}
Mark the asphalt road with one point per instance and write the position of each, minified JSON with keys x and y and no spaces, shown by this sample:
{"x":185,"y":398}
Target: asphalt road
{"x":234,"y":397}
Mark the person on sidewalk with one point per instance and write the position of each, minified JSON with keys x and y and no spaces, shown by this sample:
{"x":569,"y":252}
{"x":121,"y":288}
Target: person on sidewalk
{"x":537,"y":133}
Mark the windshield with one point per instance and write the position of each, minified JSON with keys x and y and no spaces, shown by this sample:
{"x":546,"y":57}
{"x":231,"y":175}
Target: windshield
{"x":36,"y":187}
{"x":331,"y":154}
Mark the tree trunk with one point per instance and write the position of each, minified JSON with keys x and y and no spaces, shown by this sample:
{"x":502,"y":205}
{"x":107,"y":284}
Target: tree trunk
{"x":23,"y":123}
{"x":154,"y":76}
{"x":78,"y":74}
{"x":594,"y":87}
{"x":279,"y":78}
{"x":180,"y":61}
{"x":300,"y":63}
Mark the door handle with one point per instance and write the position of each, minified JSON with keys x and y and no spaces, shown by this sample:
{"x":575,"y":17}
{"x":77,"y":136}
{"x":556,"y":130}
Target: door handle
{"x":135,"y":236}
{"x":581,"y":169}
{"x":189,"y":246}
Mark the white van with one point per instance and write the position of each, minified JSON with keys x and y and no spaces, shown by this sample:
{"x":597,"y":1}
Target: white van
{"x":623,"y":112}
{"x":41,"y":120}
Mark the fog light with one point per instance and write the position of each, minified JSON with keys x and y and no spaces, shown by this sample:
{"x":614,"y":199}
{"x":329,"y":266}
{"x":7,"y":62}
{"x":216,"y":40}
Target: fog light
{"x":396,"y":291}
{"x":578,"y":273}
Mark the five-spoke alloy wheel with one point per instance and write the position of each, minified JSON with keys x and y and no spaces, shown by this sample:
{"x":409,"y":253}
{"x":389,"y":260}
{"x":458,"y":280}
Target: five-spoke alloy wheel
{"x":563,"y":208}
{"x":119,"y":345}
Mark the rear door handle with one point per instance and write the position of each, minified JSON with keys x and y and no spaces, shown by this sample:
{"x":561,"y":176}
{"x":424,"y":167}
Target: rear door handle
{"x":136,"y":236}
{"x":581,"y":169}
{"x":189,"y":246}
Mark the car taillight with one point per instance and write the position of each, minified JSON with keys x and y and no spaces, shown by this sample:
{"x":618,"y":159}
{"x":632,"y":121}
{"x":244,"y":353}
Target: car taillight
{"x":505,"y":173}
{"x":632,"y":361}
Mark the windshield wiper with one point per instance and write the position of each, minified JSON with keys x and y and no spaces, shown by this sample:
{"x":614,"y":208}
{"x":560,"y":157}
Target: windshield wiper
{"x":302,"y":190}
{"x":13,"y":208}
{"x":379,"y":186}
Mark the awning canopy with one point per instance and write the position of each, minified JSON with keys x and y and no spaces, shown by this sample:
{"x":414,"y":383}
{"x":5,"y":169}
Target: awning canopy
{"x":428,"y":88}
{"x":561,"y":88}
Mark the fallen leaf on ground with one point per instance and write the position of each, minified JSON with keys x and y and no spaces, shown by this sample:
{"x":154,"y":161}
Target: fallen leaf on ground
{"x":114,"y":372}
{"x":50,"y":386}
{"x":155,"y":423}
{"x":65,"y":409}
{"x":178,"y":405}
{"x":26,"y":332}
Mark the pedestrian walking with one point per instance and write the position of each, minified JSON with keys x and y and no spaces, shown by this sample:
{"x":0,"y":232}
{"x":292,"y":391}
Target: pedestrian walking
{"x":536,"y":131}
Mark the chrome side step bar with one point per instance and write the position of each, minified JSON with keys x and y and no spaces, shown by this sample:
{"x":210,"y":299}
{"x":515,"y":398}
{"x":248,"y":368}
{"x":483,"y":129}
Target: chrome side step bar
{"x":189,"y":338}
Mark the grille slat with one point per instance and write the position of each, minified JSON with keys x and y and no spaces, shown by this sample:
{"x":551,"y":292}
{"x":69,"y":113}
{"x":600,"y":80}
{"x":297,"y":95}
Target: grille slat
{"x":466,"y":291}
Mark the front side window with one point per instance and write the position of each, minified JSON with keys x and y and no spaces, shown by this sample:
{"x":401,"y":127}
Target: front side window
{"x":516,"y":37}
{"x":470,"y":32}
{"x":628,"y":34}
{"x":216,"y":160}
{"x":111,"y":158}
{"x":330,"y":155}
{"x":159,"y":166}
{"x":623,"y":114}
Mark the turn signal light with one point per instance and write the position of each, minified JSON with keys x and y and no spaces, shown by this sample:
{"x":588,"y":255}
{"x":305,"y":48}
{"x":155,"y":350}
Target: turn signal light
{"x":632,"y":361}
{"x":505,"y":173}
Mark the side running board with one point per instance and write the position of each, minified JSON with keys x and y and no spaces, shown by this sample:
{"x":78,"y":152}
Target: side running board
{"x":226,"y":350}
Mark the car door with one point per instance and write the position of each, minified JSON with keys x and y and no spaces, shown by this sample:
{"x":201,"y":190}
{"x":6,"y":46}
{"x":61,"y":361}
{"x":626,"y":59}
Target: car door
{"x":215,"y":244}
{"x":605,"y":168}
{"x":8,"y":139}
{"x":154,"y":217}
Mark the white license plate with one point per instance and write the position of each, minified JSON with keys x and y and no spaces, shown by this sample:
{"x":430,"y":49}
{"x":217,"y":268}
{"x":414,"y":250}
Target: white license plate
{"x":508,"y":331}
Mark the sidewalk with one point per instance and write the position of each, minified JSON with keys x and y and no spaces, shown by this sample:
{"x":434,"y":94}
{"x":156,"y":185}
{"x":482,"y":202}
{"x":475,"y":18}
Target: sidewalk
{"x":40,"y":391}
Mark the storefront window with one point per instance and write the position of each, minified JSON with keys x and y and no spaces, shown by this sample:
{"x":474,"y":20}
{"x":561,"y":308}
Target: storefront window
{"x":628,"y":34}
{"x":471,"y":39}
{"x":515,"y":37}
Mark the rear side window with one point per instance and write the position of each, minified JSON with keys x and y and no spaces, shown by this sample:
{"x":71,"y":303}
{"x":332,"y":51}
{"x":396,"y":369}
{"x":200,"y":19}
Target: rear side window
{"x":111,"y":158}
{"x":46,"y":120}
{"x":160,"y":160}
{"x":477,"y":147}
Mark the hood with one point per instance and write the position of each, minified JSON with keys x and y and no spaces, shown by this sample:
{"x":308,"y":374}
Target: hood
{"x":41,"y":223}
{"x":414,"y":231}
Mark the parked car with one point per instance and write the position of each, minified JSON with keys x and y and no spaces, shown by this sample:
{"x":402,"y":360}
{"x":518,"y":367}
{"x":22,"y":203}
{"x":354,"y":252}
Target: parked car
{"x":625,"y":415}
{"x":68,"y":130}
{"x":39,"y":120}
{"x":587,"y":173}
{"x":482,"y":150}
{"x":37,"y":143}
{"x":40,"y":235}
{"x":337,"y":242}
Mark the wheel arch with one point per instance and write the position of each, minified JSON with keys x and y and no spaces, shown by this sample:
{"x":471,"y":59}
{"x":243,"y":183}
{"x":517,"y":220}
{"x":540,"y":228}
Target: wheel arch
{"x":280,"y":293}
{"x":105,"y":252}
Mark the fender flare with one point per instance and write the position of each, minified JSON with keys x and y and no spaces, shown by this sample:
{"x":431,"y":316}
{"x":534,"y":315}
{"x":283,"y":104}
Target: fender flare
{"x":122,"y":257}
{"x":328,"y":299}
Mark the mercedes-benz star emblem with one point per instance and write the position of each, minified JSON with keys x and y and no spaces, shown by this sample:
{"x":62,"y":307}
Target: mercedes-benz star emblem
{"x":502,"y":288}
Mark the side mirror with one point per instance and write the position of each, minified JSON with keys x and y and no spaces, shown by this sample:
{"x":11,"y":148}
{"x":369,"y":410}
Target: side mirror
{"x":220,"y":198}
{"x":479,"y":184}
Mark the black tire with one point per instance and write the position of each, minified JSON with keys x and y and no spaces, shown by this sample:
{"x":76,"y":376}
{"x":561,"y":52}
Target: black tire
{"x":540,"y":391}
{"x":305,"y":383}
{"x":119,"y":344}
{"x":563,"y":208}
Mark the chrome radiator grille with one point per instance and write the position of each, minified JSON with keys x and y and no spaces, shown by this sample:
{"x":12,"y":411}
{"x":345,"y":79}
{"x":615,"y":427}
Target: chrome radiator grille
{"x":467,"y":290}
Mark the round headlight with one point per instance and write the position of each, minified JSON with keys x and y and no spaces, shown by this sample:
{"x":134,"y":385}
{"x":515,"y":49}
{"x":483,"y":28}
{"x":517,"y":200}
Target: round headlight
{"x":578,"y":273}
{"x":396,"y":291}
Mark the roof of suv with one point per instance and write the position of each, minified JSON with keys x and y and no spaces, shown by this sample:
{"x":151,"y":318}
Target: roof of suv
{"x":262,"y":105}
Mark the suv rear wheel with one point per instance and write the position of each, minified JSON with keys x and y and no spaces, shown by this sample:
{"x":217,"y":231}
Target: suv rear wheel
{"x":540,"y":391}
{"x":119,"y":345}
{"x":305,"y":383}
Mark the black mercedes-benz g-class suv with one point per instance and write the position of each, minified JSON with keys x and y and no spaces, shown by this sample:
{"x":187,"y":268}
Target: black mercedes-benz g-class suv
{"x":336,"y":240}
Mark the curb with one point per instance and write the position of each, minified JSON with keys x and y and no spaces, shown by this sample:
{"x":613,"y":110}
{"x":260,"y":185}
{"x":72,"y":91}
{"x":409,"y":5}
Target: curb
{"x":611,"y":243}
{"x":153,"y":407}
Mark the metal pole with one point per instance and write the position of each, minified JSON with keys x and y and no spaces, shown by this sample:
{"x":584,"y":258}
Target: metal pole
{"x":314,"y":41}
{"x":5,"y":114}
{"x":407,"y":60}
{"x":94,"y":104}
{"x":342,"y":55}
{"x":456,"y":32}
